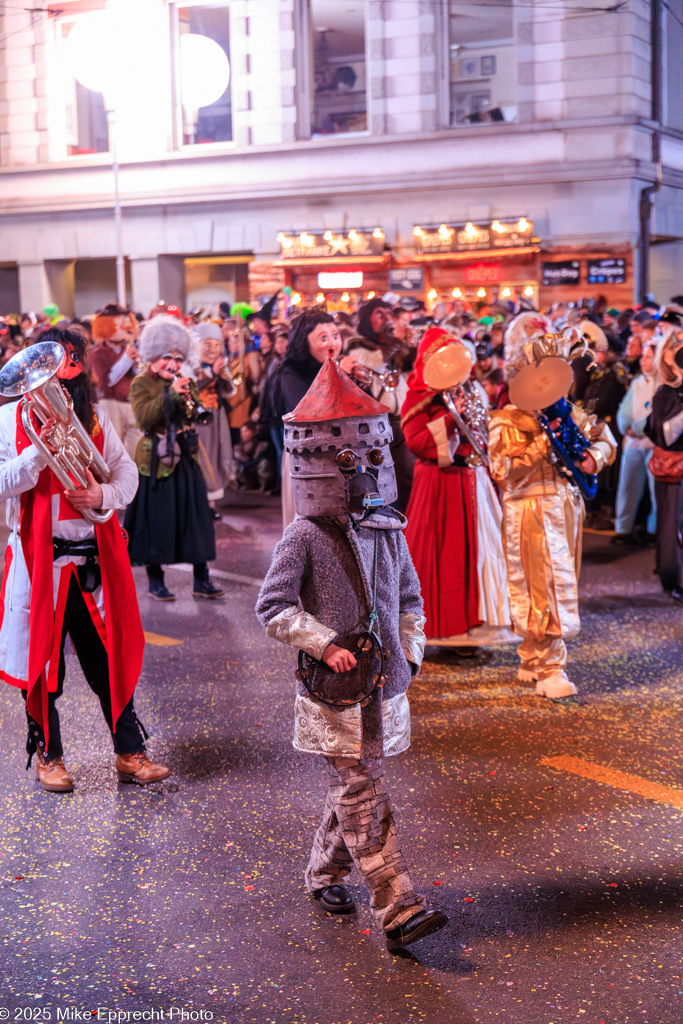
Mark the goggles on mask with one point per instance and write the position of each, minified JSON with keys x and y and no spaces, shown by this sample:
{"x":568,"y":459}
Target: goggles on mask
{"x":361,"y":482}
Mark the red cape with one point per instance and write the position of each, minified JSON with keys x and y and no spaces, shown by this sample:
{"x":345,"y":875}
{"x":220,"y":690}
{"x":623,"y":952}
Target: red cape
{"x":125,"y":639}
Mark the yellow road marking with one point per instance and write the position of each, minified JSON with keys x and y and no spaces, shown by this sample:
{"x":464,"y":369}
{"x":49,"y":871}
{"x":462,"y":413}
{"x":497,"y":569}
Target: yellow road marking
{"x":618,"y":780}
{"x":157,"y":640}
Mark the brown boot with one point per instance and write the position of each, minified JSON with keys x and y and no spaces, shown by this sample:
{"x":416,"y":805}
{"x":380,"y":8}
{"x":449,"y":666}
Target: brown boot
{"x":139,"y":769}
{"x":52,"y":775}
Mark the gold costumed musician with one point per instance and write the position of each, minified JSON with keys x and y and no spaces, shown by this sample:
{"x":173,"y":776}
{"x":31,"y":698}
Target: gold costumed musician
{"x":544,"y":455}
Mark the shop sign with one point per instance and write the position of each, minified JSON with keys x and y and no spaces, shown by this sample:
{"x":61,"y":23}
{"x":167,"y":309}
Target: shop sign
{"x":406,"y":279}
{"x":322,"y":245}
{"x":339,"y":282}
{"x":607,"y":271}
{"x":483,"y":273}
{"x":499,"y":234}
{"x":562,"y":272}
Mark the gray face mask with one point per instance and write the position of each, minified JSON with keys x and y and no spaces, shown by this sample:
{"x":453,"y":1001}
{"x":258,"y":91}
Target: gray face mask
{"x":341,"y":466}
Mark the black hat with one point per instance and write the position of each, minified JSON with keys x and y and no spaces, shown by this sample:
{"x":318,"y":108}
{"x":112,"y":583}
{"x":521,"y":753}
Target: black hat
{"x":265,"y":313}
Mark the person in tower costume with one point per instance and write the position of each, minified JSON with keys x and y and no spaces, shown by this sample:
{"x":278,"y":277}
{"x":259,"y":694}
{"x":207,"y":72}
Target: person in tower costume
{"x":543,"y":509}
{"x":65,"y":575}
{"x":342,"y":589}
{"x":454,"y":516}
{"x":115,"y":362}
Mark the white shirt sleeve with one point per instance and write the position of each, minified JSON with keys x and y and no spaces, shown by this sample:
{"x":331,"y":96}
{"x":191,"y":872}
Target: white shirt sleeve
{"x":119,"y":369}
{"x":18,"y":473}
{"x":120,"y":489}
{"x":673,"y":428}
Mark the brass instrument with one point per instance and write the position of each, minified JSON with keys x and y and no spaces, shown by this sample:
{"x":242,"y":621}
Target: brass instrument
{"x":193,"y":410}
{"x":33,"y":373}
{"x":416,"y":332}
{"x":139,"y":364}
{"x":539,"y":387}
{"x":448,"y":371}
{"x":232,"y":380}
{"x":364,"y":375}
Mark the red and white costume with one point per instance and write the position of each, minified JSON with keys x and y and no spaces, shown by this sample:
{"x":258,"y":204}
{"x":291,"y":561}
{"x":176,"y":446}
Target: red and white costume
{"x":454,"y":527}
{"x":34,"y":587}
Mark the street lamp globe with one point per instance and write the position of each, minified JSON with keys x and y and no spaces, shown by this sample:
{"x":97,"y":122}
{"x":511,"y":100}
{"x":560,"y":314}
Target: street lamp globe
{"x":204,"y":71}
{"x":91,"y":63}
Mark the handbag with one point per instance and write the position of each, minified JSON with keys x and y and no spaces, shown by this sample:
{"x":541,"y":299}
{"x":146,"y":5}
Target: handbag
{"x":340,"y":690}
{"x":666,"y":466}
{"x":169,"y":450}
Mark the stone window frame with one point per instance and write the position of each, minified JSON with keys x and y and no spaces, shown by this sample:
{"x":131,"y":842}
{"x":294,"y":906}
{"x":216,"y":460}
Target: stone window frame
{"x":304,"y":80}
{"x":444,"y":70}
{"x":177,"y":144}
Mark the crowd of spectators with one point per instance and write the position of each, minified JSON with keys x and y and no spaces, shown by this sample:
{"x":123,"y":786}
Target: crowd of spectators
{"x":251,"y":367}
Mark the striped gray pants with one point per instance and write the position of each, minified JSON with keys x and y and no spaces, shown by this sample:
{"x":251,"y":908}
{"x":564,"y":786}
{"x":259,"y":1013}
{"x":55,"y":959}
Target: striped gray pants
{"x":358,"y":828}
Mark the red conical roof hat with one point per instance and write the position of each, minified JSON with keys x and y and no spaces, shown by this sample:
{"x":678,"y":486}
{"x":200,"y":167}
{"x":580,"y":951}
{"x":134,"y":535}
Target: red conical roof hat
{"x":334,"y":396}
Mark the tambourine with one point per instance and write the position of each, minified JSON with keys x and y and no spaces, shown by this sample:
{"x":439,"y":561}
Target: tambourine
{"x":340,"y":690}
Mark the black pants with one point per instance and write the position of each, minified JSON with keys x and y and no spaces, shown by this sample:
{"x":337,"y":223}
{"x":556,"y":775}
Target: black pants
{"x":668,"y":551}
{"x":155,"y":573}
{"x":92,"y":655}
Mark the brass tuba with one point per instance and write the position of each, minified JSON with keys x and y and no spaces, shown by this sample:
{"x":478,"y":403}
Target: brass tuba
{"x":447,"y":370}
{"x":33,"y":373}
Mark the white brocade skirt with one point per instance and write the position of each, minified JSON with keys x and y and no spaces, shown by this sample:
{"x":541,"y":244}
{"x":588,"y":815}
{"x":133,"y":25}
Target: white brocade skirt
{"x":494,"y":602}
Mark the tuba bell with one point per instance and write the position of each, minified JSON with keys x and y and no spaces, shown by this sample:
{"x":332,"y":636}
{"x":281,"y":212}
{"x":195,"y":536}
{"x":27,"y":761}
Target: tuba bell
{"x":448,"y":371}
{"x":32,"y":374}
{"x":540,"y":388}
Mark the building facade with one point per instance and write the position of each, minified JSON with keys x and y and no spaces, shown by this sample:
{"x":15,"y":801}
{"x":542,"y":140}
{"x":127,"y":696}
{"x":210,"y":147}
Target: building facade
{"x":424,"y":146}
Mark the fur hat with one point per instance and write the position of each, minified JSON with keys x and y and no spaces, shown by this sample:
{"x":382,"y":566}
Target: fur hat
{"x":162,"y":335}
{"x":202,"y":332}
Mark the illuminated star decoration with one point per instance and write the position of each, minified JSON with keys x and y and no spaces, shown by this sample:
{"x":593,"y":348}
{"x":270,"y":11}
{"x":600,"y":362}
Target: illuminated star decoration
{"x":338,"y":244}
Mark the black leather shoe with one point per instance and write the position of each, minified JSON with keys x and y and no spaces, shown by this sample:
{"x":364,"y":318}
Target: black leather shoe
{"x":677,"y":594}
{"x":205,"y":588}
{"x":423,"y":923}
{"x":336,"y":899}
{"x":159,"y":591}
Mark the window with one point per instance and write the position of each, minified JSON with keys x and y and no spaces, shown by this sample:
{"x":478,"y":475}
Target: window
{"x":672,"y":38}
{"x":338,"y":89}
{"x":483,"y":62}
{"x":86,"y":129}
{"x":204,"y":73}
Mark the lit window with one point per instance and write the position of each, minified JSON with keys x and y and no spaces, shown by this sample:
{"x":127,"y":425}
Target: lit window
{"x":672,"y":49}
{"x":483,"y":62}
{"x":204,"y":73}
{"x":338,"y":93}
{"x":86,"y":129}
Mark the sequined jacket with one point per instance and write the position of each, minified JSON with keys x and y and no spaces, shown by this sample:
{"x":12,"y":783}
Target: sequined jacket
{"x":519,"y":450}
{"x":313,"y":594}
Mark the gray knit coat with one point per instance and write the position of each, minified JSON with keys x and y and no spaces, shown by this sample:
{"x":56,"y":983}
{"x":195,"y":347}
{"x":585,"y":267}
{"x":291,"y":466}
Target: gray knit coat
{"x":313,"y":595}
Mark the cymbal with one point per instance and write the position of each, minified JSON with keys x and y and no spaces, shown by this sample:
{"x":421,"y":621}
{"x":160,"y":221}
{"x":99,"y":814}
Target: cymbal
{"x":538,"y":385}
{"x":448,"y":367}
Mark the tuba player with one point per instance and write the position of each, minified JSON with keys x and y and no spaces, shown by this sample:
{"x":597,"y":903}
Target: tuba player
{"x":543,"y":510}
{"x":65,"y":575}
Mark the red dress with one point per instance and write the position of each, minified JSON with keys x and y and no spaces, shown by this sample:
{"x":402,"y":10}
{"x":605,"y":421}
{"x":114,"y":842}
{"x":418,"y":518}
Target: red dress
{"x":442,"y":518}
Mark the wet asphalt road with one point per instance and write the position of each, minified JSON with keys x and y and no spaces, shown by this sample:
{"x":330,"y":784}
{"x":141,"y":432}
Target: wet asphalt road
{"x":562,"y":881}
